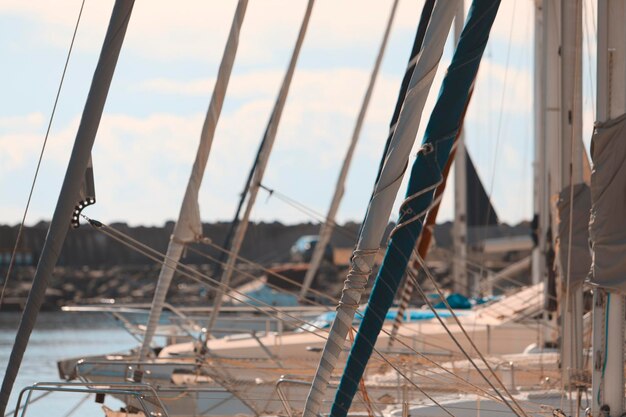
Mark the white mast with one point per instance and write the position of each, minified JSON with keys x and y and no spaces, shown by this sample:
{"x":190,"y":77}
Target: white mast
{"x":551,"y":121}
{"x":608,"y":358}
{"x":541,"y":206}
{"x":270,"y":136}
{"x":462,"y":281}
{"x":382,"y":200}
{"x":552,"y":93}
{"x":188,"y":228}
{"x":326,"y":230}
{"x":571,"y":300}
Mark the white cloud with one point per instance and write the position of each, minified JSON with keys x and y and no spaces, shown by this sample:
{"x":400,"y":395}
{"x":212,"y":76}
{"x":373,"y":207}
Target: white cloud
{"x":27,"y":122}
{"x":142,"y":162}
{"x":143,"y":155}
{"x":190,"y":30}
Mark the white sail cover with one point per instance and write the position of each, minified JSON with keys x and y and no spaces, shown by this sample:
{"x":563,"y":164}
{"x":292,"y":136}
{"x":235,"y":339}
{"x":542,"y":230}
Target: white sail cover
{"x":575,"y":260}
{"x":383,"y":196}
{"x":607,"y":224}
{"x":188,"y":228}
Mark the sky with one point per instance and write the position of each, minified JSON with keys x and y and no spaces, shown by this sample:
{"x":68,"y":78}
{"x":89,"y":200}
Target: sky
{"x":151,"y":125}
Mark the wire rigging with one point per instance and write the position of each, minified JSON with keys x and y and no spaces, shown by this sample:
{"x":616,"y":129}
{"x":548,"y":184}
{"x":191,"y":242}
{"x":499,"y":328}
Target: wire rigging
{"x":200,"y":277}
{"x":41,"y":154}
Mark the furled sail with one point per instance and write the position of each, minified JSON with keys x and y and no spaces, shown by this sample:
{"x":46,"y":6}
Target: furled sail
{"x":328,"y":226}
{"x":607,"y":223}
{"x":426,"y":175}
{"x":261,"y":164}
{"x":574,"y":258}
{"x":188,"y":228}
{"x":391,"y":171}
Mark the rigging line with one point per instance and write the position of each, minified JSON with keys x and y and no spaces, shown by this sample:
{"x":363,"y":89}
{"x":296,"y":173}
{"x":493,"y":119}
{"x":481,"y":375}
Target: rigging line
{"x":309,"y":211}
{"x":433,"y":376}
{"x":386,"y":332}
{"x":455,"y":340}
{"x":190,"y":272}
{"x":570,"y":224}
{"x":202,"y":278}
{"x":43,"y":148}
{"x":501,"y":114}
{"x":273,"y":286}
{"x":105,"y":229}
{"x":379,"y":353}
{"x":481,"y":391}
{"x":264,"y":269}
{"x":456,"y":319}
{"x":415,"y":385}
{"x":505,"y":290}
{"x":428,"y":273}
{"x":410,"y":274}
{"x":482,"y":268}
{"x":360,"y":314}
{"x":280,"y":276}
{"x":195,"y":275}
{"x":330,"y":298}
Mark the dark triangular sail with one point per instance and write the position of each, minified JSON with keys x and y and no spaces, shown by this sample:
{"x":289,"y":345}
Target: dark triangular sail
{"x":480,"y":211}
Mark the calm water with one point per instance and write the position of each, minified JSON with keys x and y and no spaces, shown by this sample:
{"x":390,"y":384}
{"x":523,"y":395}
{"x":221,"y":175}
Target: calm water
{"x":58,"y":336}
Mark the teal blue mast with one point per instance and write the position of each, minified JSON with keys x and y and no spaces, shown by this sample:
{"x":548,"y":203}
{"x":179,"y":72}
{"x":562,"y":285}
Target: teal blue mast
{"x":426,"y":175}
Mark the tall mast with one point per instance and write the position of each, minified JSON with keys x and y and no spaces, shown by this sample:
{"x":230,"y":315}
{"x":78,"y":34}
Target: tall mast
{"x":326,"y":230}
{"x":571,"y":303}
{"x":462,"y":282}
{"x":69,"y":195}
{"x":608,"y":310}
{"x":268,"y":143}
{"x":381,"y":202}
{"x":188,"y":228}
{"x":426,"y":175}
{"x":541,"y":204}
{"x":552,"y":93}
{"x":551,"y":136}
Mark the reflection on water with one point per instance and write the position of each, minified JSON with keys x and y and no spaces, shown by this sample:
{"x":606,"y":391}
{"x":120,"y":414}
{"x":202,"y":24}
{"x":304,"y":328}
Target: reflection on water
{"x":57,"y":336}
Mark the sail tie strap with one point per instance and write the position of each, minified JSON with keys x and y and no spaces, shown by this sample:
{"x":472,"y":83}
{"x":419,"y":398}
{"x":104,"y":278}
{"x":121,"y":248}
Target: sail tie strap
{"x":360,"y":271}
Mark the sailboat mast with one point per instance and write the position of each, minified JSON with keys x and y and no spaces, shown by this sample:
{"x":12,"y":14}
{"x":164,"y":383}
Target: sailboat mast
{"x":426,"y":175}
{"x":462,"y":282}
{"x":70,"y":189}
{"x":541,"y":206}
{"x":268,"y":140}
{"x":551,"y":132}
{"x":609,"y":305}
{"x":383,"y":196}
{"x":326,"y":230}
{"x":188,"y":228}
{"x":571,"y":157}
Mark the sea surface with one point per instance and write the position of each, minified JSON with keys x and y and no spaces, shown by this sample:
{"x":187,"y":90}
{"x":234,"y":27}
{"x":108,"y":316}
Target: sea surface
{"x":60,"y":335}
